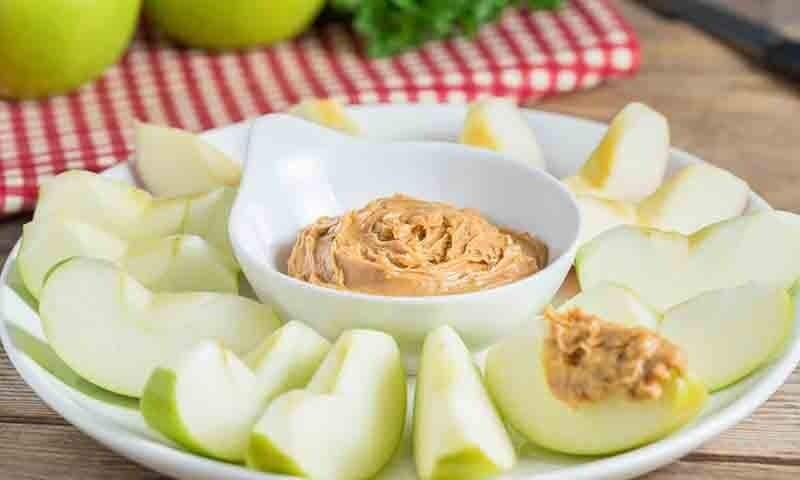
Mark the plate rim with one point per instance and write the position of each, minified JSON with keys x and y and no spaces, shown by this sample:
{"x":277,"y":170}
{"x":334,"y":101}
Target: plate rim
{"x":170,"y":460}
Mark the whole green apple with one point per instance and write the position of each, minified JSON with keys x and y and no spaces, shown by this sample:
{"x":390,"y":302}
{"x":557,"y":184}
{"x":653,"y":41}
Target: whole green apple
{"x":51,"y":46}
{"x":234,"y":23}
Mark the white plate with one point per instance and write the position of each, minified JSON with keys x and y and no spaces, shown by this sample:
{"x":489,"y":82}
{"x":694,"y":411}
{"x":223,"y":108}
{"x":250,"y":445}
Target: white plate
{"x":566,"y":142}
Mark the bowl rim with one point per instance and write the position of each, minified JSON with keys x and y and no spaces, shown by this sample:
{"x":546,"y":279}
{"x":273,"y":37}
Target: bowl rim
{"x":237,"y":219}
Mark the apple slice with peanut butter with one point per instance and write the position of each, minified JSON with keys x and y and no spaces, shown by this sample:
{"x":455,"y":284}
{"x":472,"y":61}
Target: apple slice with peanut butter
{"x":585,"y":385}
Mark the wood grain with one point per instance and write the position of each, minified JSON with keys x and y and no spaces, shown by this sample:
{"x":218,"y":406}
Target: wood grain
{"x":720,"y":106}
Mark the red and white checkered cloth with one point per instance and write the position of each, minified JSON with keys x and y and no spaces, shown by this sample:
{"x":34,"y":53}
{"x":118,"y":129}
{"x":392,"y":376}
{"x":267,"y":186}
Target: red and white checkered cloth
{"x":525,"y":55}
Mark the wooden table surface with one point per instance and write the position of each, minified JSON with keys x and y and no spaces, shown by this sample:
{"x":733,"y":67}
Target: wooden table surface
{"x":720,"y":107}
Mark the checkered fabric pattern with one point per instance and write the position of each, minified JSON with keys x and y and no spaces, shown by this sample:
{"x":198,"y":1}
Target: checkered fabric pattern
{"x":525,"y":55}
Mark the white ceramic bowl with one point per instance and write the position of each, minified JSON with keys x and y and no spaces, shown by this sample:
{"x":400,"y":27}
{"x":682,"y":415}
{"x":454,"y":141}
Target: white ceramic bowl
{"x":296,"y":172}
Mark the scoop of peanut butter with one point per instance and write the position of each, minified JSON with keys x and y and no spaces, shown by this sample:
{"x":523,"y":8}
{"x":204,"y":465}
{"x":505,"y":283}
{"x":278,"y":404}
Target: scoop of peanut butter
{"x":587,"y":359}
{"x":402,"y":246}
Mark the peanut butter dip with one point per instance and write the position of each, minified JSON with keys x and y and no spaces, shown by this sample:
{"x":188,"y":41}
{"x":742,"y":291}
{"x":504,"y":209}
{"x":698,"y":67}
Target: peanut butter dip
{"x":588,"y":359}
{"x":402,"y":246}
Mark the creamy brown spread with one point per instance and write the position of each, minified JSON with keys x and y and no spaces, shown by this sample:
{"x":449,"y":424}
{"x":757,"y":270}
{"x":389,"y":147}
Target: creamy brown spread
{"x":402,"y":246}
{"x":587,"y":359}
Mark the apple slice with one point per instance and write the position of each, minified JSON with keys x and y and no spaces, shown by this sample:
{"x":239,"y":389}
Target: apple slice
{"x":181,"y":263}
{"x":349,"y":420}
{"x":693,"y":198}
{"x":108,"y":204}
{"x":667,"y":268}
{"x":497,"y":124}
{"x":47,"y":243}
{"x":615,"y":304}
{"x":729,"y":333}
{"x":207,"y":216}
{"x":600,"y":214}
{"x":172,"y":162}
{"x":326,"y":112}
{"x":630,"y":161}
{"x":208,"y":399}
{"x":287,"y":359}
{"x":176,"y":263}
{"x":457,"y":431}
{"x":113,"y":331}
{"x":516,"y":378}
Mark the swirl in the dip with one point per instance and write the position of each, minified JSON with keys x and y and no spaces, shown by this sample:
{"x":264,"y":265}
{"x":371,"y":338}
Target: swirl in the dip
{"x":402,"y":246}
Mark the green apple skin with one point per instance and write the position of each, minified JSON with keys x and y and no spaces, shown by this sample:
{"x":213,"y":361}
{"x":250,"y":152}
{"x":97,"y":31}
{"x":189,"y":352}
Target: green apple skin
{"x":348,"y":421}
{"x":232,"y":24}
{"x":159,"y":407}
{"x":756,"y":320}
{"x":447,"y":443}
{"x":52,"y":46}
{"x":264,"y":456}
{"x":208,"y":399}
{"x":155,"y":327}
{"x":516,"y":379}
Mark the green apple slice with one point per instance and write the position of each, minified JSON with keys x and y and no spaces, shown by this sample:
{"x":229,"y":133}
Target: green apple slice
{"x":695,"y":197}
{"x":287,"y":359}
{"x":133,"y":214}
{"x":616,"y":304}
{"x":207,"y":216}
{"x":176,"y":263}
{"x":181,"y":263}
{"x":667,"y":268}
{"x":630,"y":161}
{"x":108,"y":204}
{"x":172,"y":162}
{"x":457,"y":431}
{"x":517,"y":380}
{"x":601,"y":214}
{"x":113,"y":331}
{"x":349,"y":420}
{"x":497,"y":124}
{"x":47,"y":243}
{"x":727,"y":334}
{"x":208,"y":400}
{"x":326,"y":112}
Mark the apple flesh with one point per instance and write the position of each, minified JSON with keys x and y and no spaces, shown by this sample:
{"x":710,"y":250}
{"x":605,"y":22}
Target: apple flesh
{"x":517,"y":380}
{"x":600,"y":214}
{"x":176,"y":263}
{"x":129,"y":330}
{"x":668,"y":268}
{"x":630,"y":161}
{"x":727,"y":334}
{"x":457,"y":431}
{"x":348,"y":421}
{"x":133,"y":214}
{"x":52,"y":46}
{"x":695,"y":197}
{"x":497,"y":124}
{"x":181,"y":263}
{"x":172,"y":162}
{"x":326,"y":112}
{"x":111,"y":205}
{"x":208,"y":400}
{"x":616,"y":304}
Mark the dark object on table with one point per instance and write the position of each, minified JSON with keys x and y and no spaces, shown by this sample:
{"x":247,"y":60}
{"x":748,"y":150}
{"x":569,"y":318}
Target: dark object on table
{"x":392,"y":26}
{"x":760,"y":42}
